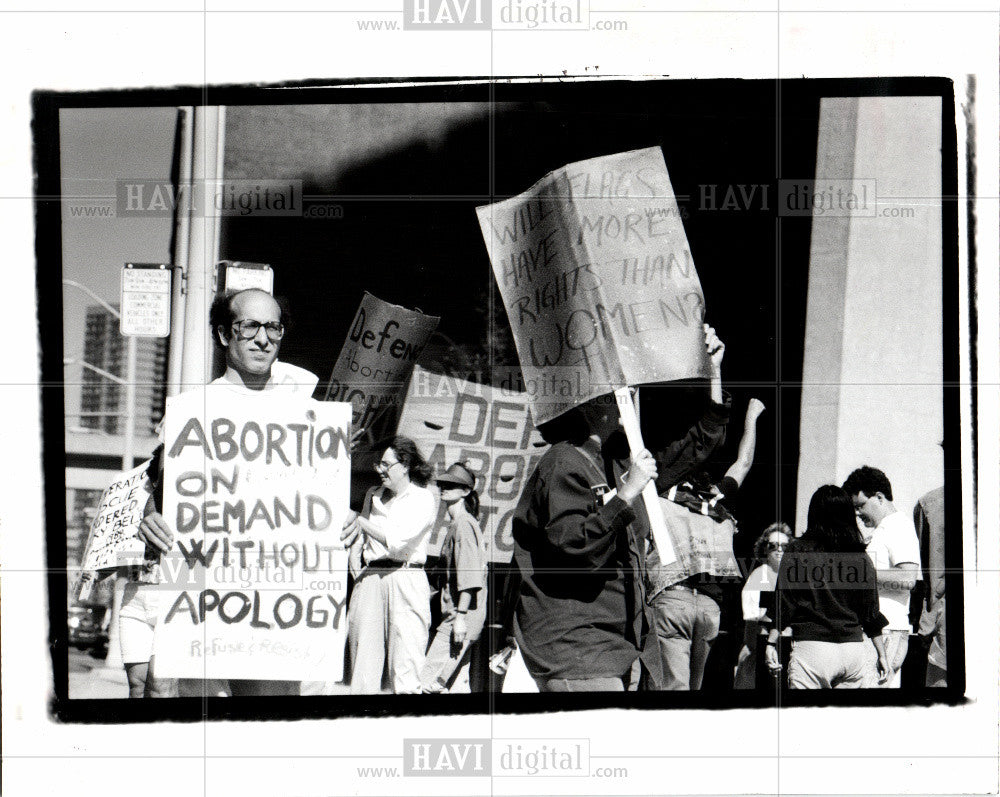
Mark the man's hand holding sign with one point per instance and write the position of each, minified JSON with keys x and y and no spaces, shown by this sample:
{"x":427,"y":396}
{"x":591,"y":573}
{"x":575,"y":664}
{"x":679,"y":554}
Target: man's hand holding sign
{"x":255,"y":488}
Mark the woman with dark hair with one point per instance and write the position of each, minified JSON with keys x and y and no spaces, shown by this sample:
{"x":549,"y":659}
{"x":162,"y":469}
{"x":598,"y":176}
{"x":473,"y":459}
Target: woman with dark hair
{"x":389,"y":614}
{"x":828,"y":595}
{"x":758,"y":605}
{"x":463,"y":596}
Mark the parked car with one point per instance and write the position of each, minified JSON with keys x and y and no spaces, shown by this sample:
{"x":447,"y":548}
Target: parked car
{"x":87,"y":629}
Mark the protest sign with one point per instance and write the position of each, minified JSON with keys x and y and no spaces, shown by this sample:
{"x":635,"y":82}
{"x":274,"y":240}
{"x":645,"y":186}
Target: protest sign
{"x":489,"y":428}
{"x":600,"y":287}
{"x":112,"y":540}
{"x":701,"y":545}
{"x":598,"y":280}
{"x":382,"y":346}
{"x":256,"y":490}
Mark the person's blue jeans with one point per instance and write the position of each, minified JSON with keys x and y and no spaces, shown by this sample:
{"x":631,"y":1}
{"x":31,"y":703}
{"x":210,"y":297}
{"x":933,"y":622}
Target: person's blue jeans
{"x":687,"y":622}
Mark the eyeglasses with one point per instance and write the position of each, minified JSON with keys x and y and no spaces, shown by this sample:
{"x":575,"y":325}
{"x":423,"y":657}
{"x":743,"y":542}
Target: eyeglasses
{"x":383,"y":466}
{"x":247,"y":329}
{"x":777,"y":546}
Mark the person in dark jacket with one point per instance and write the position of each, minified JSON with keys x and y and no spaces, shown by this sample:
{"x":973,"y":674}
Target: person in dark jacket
{"x":579,"y":618}
{"x":828,"y":595}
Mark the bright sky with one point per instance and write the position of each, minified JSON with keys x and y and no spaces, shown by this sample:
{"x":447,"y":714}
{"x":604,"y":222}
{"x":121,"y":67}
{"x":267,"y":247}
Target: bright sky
{"x":99,"y":146}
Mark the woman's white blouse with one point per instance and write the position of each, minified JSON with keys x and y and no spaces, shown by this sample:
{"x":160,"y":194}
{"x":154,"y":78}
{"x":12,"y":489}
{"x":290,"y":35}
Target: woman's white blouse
{"x":406,"y":520}
{"x":760,"y":580}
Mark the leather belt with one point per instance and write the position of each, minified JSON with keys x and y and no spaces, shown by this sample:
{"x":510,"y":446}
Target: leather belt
{"x":390,"y":564}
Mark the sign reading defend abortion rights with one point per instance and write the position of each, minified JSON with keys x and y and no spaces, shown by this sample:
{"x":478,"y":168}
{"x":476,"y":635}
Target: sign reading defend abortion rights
{"x":376,"y":360}
{"x":490,"y":429}
{"x":598,"y":280}
{"x":256,"y":490}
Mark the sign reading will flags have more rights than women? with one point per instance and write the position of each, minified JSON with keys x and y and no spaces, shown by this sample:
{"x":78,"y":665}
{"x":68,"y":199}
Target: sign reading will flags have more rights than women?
{"x":597,"y":277}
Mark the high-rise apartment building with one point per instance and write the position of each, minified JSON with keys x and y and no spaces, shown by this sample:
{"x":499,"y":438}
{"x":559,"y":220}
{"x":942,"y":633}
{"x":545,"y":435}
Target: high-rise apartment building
{"x":105,"y":347}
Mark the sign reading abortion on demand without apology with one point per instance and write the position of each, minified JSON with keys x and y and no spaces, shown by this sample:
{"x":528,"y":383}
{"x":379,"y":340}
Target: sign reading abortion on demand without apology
{"x":489,"y":429}
{"x":598,"y":280}
{"x":378,"y":356}
{"x":256,"y":491}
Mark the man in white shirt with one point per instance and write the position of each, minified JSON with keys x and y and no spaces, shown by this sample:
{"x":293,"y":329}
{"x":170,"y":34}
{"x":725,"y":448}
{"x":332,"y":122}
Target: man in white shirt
{"x":248,"y":326}
{"x":895,"y":552}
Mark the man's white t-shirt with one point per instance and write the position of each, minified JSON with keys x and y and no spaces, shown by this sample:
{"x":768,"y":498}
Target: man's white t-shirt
{"x":894,"y":542}
{"x":286,"y":378}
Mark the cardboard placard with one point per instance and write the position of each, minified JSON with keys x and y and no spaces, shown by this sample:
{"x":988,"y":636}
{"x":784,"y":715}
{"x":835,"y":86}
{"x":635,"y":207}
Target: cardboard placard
{"x":453,"y":420}
{"x":256,"y":491}
{"x":112,"y":542}
{"x":377,"y":358}
{"x":598,"y":280}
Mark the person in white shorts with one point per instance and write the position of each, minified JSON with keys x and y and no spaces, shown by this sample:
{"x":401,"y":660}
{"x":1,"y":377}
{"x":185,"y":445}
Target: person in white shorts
{"x":136,"y":626}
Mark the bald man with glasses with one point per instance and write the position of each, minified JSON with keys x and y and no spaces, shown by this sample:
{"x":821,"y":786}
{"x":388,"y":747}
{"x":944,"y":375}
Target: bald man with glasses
{"x":248,"y":326}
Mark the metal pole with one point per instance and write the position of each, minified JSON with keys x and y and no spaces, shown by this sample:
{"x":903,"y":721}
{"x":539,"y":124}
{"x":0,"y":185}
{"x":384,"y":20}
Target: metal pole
{"x":92,"y":295}
{"x":182,"y":251}
{"x":96,"y":370}
{"x":204,"y":246}
{"x":130,"y":377}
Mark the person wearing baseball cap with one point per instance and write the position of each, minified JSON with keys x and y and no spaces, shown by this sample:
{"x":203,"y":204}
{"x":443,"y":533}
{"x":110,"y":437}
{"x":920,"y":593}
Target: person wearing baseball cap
{"x":463,"y":596}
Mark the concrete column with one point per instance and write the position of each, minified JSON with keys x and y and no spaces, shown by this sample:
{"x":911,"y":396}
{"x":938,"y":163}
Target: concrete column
{"x":872,"y":370}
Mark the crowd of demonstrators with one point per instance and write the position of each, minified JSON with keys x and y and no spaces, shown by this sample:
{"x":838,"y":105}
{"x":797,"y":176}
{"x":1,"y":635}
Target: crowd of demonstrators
{"x":583,"y":631}
{"x":589,"y":603}
{"x":585,"y":603}
{"x":389,"y":612}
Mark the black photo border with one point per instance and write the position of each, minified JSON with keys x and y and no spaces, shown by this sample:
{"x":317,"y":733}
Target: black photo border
{"x":48,"y":250}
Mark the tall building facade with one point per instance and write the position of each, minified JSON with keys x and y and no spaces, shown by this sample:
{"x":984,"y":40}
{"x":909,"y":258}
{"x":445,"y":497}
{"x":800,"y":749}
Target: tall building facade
{"x":105,"y":347}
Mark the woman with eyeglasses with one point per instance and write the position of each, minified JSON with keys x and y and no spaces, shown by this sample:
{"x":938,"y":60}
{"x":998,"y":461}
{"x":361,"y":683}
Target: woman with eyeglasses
{"x":389,"y":614}
{"x":827,"y":595}
{"x":463,"y":596}
{"x":758,"y":606}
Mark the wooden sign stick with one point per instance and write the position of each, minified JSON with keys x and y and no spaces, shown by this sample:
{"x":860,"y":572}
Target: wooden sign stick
{"x":657,"y":525}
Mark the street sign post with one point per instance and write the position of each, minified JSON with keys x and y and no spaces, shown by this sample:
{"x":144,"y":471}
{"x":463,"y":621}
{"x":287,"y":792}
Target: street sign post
{"x":238,"y":275}
{"x":145,"y":300}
